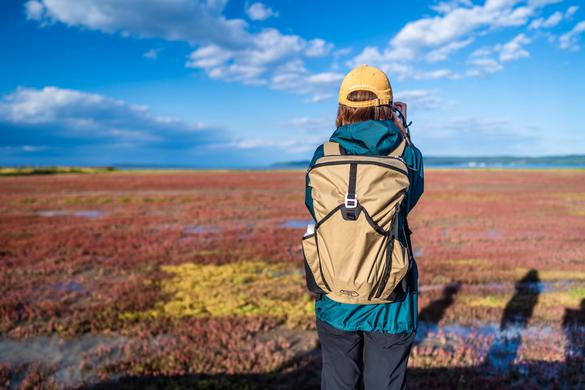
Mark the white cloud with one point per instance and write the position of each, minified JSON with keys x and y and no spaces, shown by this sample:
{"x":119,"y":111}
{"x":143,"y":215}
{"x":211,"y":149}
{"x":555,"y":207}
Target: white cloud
{"x":225,"y":48}
{"x":433,"y":74}
{"x":436,"y":38}
{"x":320,"y":86}
{"x":443,"y":52}
{"x":274,"y":59}
{"x":554,"y":19}
{"x":193,"y":21}
{"x":209,"y":56}
{"x":269,"y":49}
{"x":259,"y":11}
{"x":397,"y":68}
{"x":459,"y":22}
{"x":571,"y":11}
{"x":152,"y":54}
{"x":570,"y":40}
{"x":34,"y":10}
{"x":56,"y":117}
{"x":491,"y":59}
{"x":319,"y":97}
{"x":324,"y":78}
{"x":485,"y":65}
{"x":318,"y":48}
{"x":444,"y":7}
{"x":542,"y":3}
{"x":307,"y":123}
{"x":514,"y":49}
{"x":420,"y":99}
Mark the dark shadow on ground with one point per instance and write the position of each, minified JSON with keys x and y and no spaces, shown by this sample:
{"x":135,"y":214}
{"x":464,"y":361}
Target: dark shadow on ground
{"x":431,"y":315}
{"x":303,"y":372}
{"x":515,"y":317}
{"x":434,"y":311}
{"x":520,"y":308}
{"x":574,"y":328}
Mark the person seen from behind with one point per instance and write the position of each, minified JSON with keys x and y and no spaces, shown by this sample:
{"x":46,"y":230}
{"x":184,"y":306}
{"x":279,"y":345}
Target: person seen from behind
{"x":360,"y":186}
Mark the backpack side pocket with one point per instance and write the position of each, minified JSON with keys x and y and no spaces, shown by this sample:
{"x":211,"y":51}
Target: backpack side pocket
{"x":396,"y":274}
{"x":315,"y":281}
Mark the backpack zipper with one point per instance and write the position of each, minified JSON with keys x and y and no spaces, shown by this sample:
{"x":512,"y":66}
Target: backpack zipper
{"x":389,"y":252}
{"x":387,"y":264}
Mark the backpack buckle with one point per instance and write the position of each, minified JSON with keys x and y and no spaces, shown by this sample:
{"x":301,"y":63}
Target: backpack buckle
{"x":350,"y":203}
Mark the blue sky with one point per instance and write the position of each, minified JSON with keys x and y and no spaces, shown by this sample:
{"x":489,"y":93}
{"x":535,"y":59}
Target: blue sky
{"x":241,"y":83}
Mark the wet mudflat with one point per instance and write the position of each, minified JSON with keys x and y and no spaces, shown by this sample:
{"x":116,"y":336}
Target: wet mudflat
{"x":195,"y":280}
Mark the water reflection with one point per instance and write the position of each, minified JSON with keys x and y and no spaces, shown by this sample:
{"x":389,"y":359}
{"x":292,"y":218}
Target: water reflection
{"x":296,"y":223}
{"x":75,"y":213}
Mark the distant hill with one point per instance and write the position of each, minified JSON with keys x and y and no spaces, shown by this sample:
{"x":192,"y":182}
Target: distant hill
{"x":570,"y":161}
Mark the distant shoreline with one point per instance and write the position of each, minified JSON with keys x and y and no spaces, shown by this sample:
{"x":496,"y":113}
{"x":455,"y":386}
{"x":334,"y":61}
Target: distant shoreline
{"x":473,"y":162}
{"x":566,"y":162}
{"x":44,"y":171}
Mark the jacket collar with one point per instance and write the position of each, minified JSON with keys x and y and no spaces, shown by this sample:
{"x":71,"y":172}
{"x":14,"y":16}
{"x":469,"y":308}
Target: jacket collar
{"x":368,"y":137}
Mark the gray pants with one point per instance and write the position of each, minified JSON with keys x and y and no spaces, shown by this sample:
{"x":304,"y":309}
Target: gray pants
{"x":354,"y":360}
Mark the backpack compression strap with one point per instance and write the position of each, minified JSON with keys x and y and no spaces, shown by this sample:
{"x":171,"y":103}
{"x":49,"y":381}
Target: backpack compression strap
{"x":331,"y":148}
{"x":399,"y":149}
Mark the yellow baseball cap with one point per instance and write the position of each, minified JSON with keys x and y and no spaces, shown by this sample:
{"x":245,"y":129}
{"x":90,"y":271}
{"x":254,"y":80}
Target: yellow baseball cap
{"x":366,"y":78}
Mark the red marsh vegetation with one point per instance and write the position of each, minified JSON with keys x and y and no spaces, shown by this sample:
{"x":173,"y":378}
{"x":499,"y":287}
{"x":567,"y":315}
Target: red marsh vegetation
{"x":194,"y":279}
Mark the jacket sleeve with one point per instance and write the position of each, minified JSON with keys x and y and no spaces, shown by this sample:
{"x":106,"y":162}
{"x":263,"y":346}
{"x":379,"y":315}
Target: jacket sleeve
{"x":308,"y":198}
{"x":414,"y":160}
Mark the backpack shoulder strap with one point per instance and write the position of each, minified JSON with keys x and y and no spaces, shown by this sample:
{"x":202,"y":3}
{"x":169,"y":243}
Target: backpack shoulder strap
{"x":399,"y":149}
{"x":331,"y":148}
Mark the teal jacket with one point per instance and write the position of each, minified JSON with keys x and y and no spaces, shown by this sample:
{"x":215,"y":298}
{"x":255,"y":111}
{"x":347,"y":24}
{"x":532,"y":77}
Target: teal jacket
{"x":374,"y":138}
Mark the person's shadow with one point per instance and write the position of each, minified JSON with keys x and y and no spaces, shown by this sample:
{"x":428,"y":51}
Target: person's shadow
{"x":574,"y":329}
{"x":504,"y":349}
{"x":431,"y":315}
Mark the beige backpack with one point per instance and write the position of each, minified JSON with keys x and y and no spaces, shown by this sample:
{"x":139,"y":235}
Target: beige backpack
{"x":354,"y":254}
